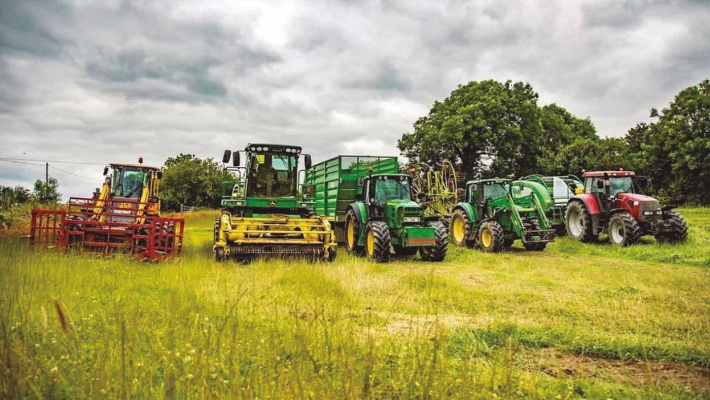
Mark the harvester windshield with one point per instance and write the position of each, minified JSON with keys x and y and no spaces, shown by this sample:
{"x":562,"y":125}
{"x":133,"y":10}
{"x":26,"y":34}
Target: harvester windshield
{"x":272,"y":175}
{"x":128,"y":181}
{"x":395,"y":188}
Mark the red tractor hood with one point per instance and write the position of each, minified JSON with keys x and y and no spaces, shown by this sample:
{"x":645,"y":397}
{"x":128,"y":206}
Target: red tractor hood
{"x":641,"y":198}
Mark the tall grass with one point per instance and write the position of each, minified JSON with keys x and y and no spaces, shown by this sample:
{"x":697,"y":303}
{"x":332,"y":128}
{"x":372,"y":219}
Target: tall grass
{"x":475,"y":326}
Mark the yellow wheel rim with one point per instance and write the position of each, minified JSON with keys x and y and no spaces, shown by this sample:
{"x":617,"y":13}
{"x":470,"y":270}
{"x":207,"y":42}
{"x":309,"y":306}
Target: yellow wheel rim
{"x":370,"y":243}
{"x":351,"y":234}
{"x":459,"y":229}
{"x":486,"y":237}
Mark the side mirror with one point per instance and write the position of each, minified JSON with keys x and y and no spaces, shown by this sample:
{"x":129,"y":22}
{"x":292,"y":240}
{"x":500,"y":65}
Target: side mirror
{"x":600,"y":184}
{"x":235,"y":158}
{"x":226,"y":156}
{"x":105,"y":171}
{"x":159,"y":174}
{"x":307,"y":161}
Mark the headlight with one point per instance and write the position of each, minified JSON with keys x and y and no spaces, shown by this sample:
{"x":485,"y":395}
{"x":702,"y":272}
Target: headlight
{"x":238,"y":203}
{"x":636,"y":203}
{"x":412,"y":219}
{"x":648,"y":212}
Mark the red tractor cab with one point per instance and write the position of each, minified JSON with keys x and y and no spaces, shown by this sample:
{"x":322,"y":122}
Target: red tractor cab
{"x":611,"y":203}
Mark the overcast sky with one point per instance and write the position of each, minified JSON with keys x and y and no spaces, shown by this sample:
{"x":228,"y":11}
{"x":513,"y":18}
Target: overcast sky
{"x":110,"y":81}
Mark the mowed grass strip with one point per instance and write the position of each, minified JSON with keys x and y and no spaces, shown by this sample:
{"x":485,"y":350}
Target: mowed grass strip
{"x":475,"y":325}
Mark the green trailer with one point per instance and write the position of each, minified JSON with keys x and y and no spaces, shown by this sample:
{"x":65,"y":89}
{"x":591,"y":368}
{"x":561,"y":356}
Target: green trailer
{"x":370,"y":207}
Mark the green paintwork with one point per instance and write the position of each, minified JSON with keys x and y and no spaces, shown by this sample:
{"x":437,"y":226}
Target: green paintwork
{"x":560,"y":189}
{"x":337,"y":184}
{"x":510,"y":207}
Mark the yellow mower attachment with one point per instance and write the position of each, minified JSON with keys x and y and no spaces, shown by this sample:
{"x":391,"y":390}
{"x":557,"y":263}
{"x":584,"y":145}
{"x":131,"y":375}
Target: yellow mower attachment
{"x":273,"y":235}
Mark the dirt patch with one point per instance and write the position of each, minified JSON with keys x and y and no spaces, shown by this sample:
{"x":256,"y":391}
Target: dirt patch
{"x":473,"y":280}
{"x":556,"y":364}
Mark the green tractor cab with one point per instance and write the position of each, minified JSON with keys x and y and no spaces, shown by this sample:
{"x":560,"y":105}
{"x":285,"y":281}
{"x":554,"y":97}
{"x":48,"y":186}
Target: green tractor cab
{"x":496,"y":212}
{"x":371,"y":208}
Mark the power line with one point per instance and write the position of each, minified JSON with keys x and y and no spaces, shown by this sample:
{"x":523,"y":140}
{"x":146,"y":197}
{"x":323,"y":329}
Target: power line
{"x":19,"y":160}
{"x":72,"y":174}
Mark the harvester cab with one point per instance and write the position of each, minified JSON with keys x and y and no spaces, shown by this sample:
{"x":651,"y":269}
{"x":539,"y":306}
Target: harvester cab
{"x":263,"y":213}
{"x":611,"y":204}
{"x":122,"y":216}
{"x":496,"y":212}
{"x":371,"y":208}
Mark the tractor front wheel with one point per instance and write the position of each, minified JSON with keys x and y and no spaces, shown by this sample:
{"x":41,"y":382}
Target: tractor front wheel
{"x":352,"y":233}
{"x":491,"y":238}
{"x":623,"y":229}
{"x":438,"y":252}
{"x":679,"y":233}
{"x":460,"y":228}
{"x":579,"y":222}
{"x":377,"y":241}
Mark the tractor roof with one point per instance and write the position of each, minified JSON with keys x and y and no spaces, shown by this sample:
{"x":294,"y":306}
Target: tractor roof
{"x":600,"y":174}
{"x":492,"y":180}
{"x":113,"y":165}
{"x":272,"y":147}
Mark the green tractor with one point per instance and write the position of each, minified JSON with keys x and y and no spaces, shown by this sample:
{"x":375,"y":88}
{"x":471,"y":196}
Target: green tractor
{"x":496,"y":212}
{"x":263,"y":213}
{"x":370,"y":205}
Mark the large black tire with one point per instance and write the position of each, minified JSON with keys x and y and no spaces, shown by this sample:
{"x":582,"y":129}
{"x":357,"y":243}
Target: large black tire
{"x":623,"y":229}
{"x":217,"y":227}
{"x":680,"y":228}
{"x":404,"y":251}
{"x":437,"y":253}
{"x":332,"y":254}
{"x":460,"y":228}
{"x":491,"y":238}
{"x":377,"y":241}
{"x":352,"y":235}
{"x":534,"y":246}
{"x":579,"y":222}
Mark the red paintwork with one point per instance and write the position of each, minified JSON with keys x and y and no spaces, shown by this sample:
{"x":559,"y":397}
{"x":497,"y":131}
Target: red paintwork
{"x":590,"y":201}
{"x":626,"y":202}
{"x":600,"y":174}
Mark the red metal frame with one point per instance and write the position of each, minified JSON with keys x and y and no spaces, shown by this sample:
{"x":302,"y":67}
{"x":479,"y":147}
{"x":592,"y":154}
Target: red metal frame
{"x":119,"y":232}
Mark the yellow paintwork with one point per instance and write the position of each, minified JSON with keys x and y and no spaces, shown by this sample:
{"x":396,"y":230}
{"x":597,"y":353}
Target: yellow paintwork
{"x":370,"y":243}
{"x":486,"y":237}
{"x":459,"y":229}
{"x":351,"y":235}
{"x":150,"y":190}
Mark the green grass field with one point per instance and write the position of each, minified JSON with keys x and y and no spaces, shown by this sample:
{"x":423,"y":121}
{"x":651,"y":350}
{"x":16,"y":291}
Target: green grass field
{"x":574,"y":321}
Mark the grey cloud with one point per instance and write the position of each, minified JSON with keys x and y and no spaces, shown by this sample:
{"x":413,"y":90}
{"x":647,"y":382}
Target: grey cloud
{"x":110,"y":81}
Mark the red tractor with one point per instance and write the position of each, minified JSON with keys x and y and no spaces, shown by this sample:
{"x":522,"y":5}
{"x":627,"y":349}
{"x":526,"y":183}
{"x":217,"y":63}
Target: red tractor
{"x":610,"y":204}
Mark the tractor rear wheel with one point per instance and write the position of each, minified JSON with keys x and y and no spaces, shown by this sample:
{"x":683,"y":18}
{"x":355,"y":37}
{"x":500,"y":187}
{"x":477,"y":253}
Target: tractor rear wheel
{"x":579,"y":222}
{"x":460,"y":228}
{"x":534,"y":246}
{"x":679,"y":233}
{"x":438,"y":252}
{"x":352,"y":233}
{"x":623,"y":229}
{"x":491,"y":238}
{"x":377,"y":241}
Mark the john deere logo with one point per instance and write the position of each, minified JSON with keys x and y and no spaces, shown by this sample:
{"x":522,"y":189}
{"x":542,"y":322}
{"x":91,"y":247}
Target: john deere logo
{"x":272,"y":203}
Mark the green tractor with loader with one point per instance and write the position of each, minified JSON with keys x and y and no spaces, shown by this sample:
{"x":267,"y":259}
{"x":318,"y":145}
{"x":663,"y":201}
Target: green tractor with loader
{"x":263,"y":214}
{"x":370,"y":205}
{"x":496,"y":212}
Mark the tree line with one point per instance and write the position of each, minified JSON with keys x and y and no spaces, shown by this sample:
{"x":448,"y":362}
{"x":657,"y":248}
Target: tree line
{"x":493,"y":129}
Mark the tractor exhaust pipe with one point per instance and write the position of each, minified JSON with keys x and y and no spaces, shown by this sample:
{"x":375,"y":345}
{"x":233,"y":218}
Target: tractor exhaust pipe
{"x":607,"y":185}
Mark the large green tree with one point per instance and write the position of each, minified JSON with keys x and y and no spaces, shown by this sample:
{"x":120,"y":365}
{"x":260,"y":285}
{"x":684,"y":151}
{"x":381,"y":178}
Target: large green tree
{"x":560,"y":129}
{"x":486,"y":126}
{"x":590,"y":154}
{"x":190,"y":181}
{"x":675,"y":149}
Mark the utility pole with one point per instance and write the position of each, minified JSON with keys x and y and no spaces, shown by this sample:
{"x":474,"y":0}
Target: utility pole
{"x":46,"y":174}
